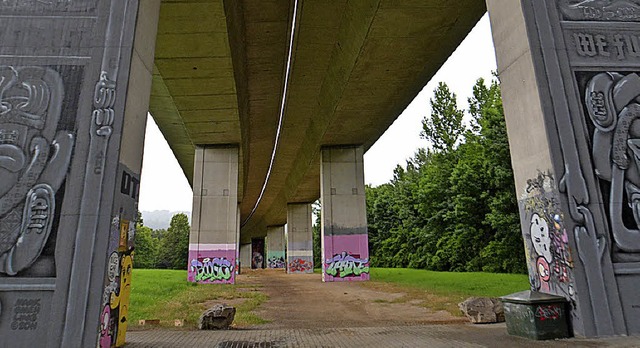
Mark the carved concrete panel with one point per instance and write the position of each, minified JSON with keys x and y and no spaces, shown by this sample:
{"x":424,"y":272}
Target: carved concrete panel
{"x":63,"y":77}
{"x":587,"y":59}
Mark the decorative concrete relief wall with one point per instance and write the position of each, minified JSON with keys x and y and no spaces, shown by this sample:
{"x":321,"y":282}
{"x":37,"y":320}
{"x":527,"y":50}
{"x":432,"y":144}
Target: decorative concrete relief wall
{"x":34,"y":158}
{"x":583,"y":222}
{"x":63,"y":281}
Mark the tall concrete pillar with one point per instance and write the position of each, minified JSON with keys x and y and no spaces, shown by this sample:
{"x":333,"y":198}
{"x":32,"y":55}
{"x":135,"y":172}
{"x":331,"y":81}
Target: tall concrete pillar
{"x":570,"y":94}
{"x":245,"y":257}
{"x":214,"y":227}
{"x":76,"y":79}
{"x":299,"y":238}
{"x":275,"y":247}
{"x":345,"y":248}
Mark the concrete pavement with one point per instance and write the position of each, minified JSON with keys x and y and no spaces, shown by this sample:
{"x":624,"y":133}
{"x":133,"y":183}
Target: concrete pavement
{"x":460,"y":335}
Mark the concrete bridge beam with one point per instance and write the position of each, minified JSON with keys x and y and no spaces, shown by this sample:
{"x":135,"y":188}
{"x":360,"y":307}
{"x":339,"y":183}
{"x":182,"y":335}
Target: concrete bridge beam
{"x":213,"y":242}
{"x":345,"y":249}
{"x":299,"y":238}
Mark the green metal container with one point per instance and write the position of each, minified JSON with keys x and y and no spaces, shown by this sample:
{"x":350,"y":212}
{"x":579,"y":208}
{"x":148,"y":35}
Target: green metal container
{"x":536,"y":315}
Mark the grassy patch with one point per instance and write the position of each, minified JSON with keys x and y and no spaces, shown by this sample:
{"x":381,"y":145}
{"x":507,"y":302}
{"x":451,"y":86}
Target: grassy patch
{"x":444,"y":290}
{"x":166,"y":295}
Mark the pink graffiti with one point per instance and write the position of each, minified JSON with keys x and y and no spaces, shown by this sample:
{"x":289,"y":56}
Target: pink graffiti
{"x":105,"y":326}
{"x":549,"y":312}
{"x":300,"y":265}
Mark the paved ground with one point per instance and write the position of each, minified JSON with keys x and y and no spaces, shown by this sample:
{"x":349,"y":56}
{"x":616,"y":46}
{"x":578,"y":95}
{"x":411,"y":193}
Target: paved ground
{"x":307,"y":313}
{"x":453,"y":335}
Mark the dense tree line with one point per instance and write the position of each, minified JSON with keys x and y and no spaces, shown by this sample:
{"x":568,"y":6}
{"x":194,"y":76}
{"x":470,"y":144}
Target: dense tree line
{"x":453,"y":206}
{"x":163,"y":248}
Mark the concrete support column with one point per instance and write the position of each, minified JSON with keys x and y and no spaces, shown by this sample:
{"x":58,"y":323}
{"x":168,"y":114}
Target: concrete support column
{"x":75,"y":88}
{"x":345,"y":247}
{"x":571,"y":105}
{"x":214,"y":228}
{"x":299,"y":239}
{"x":275,"y":247}
{"x":245,"y":257}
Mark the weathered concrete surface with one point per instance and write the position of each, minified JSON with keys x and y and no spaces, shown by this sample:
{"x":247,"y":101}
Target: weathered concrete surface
{"x":220,"y":69}
{"x":276,"y":257}
{"x":299,"y":239}
{"x":344,"y":238}
{"x":213,"y":244}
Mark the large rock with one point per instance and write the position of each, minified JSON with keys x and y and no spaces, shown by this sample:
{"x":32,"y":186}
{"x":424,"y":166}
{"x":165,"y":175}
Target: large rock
{"x":481,"y":310}
{"x":218,"y":317}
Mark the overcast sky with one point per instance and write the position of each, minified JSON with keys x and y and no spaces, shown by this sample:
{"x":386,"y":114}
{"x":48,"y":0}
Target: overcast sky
{"x":164,"y":186}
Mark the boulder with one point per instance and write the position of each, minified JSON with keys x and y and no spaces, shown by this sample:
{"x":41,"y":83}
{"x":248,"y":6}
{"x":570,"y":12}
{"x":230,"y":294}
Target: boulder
{"x":482,"y":310}
{"x":218,"y":317}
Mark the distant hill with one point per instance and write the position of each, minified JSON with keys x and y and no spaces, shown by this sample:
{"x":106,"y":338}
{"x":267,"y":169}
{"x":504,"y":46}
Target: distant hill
{"x":160,"y":219}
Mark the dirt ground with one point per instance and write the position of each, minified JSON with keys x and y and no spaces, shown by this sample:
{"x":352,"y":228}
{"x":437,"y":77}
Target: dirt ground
{"x":303,"y":301}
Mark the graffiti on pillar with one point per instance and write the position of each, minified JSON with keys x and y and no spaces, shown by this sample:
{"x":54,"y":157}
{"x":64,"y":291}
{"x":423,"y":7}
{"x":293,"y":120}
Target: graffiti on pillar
{"x":300,"y":265}
{"x":276,"y":262}
{"x":257,"y":261}
{"x":612,"y":104}
{"x":212,"y":269}
{"x":601,"y":10}
{"x":115,"y":297}
{"x":346,"y":265}
{"x":34,"y":158}
{"x":546,"y":239}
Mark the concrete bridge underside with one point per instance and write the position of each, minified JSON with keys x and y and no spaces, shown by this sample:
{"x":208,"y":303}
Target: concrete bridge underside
{"x":220,"y":68}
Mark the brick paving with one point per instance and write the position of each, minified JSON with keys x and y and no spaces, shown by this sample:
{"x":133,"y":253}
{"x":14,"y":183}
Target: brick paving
{"x":458,"y":335}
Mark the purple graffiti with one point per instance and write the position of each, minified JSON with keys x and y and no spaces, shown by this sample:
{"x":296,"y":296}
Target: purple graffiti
{"x":212,"y":269}
{"x":346,"y":265}
{"x":276,"y":262}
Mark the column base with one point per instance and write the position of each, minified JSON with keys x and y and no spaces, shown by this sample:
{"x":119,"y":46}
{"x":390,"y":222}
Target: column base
{"x":300,"y":264}
{"x":214,"y":264}
{"x":346,"y":258}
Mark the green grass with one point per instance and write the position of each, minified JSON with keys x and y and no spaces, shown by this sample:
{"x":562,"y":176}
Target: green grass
{"x":166,"y":295}
{"x":444,"y":290}
{"x":465,"y":284}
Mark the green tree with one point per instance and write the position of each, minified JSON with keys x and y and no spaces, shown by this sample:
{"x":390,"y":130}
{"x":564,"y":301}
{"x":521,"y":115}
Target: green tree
{"x":444,"y":128}
{"x":146,"y":248}
{"x":452,"y":207}
{"x":174,"y":247}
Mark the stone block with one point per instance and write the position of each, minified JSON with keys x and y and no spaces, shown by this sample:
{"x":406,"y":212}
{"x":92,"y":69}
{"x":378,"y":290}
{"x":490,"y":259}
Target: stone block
{"x":218,"y":317}
{"x":482,"y":310}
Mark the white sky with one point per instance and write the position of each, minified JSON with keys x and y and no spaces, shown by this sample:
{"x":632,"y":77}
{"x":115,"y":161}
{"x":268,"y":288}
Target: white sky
{"x":164,"y":186}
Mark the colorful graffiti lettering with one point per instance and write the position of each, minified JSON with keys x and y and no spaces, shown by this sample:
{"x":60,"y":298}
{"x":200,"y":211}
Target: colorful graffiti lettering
{"x":212,"y":269}
{"x":346,"y":265}
{"x":549,"y":312}
{"x":276,"y":262}
{"x":547,"y":240}
{"x":300,"y":265}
